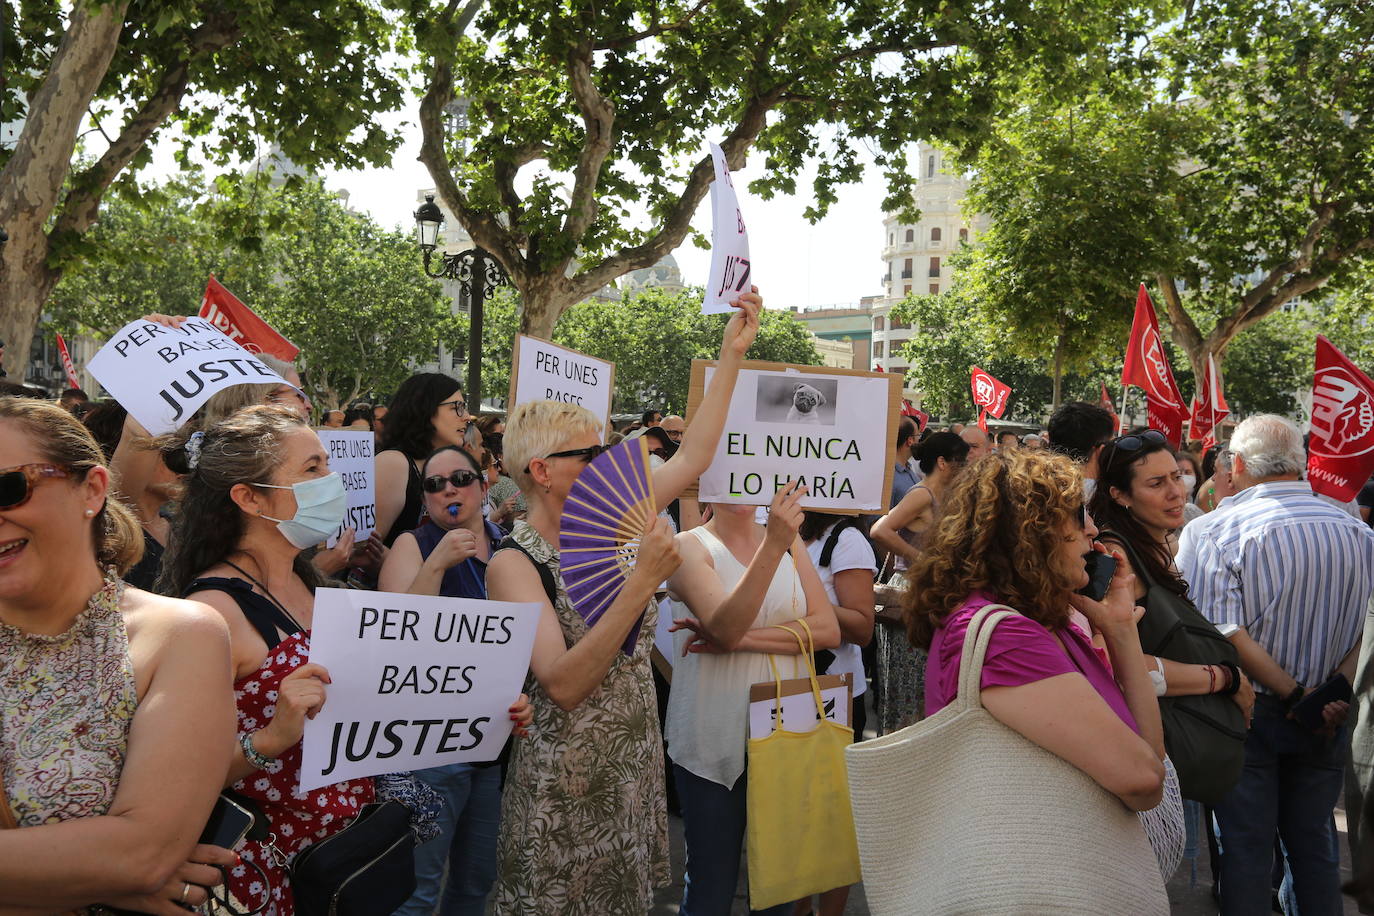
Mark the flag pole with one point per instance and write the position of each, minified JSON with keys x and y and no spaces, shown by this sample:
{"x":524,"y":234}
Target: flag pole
{"x":1121,"y":414}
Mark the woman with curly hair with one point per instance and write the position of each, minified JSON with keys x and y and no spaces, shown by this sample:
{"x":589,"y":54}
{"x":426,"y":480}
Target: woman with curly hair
{"x":1013,"y":531}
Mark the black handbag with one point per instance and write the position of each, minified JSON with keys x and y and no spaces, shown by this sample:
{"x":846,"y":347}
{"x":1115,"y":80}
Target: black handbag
{"x":1205,"y":734}
{"x":366,"y":869}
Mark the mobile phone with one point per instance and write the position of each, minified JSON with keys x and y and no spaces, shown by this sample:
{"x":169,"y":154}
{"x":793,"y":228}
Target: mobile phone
{"x":1101,"y":568}
{"x":229,"y":823}
{"x":1308,"y":710}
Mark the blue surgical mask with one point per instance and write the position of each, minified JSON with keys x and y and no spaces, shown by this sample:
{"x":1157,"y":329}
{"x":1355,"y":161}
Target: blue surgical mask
{"x":320,"y":506}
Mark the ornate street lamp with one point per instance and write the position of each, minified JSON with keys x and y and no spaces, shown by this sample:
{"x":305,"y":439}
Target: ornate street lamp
{"x":478,"y":275}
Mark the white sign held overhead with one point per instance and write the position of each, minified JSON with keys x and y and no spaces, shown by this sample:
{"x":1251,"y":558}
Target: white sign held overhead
{"x":730,"y":263}
{"x":415,"y":681}
{"x":163,"y":375}
{"x":351,"y":457}
{"x":547,"y":372}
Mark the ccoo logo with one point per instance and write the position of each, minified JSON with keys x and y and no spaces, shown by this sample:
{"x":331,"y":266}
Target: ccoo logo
{"x":1342,"y":415}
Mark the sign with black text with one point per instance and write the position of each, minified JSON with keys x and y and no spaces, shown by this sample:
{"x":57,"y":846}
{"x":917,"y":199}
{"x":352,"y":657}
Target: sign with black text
{"x":416,"y":681}
{"x":544,"y":371}
{"x":835,"y":429}
{"x":731,"y":266}
{"x":350,"y":454}
{"x":163,"y":375}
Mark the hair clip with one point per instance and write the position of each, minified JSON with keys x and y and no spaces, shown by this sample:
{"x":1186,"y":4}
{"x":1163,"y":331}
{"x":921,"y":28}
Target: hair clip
{"x":193,"y":449}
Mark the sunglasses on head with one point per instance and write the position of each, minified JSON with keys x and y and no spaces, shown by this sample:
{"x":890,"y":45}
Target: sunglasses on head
{"x":1136,"y":441}
{"x":459,"y":479}
{"x":17,"y":483}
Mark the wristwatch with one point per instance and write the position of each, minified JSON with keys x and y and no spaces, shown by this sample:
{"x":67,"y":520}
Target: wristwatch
{"x":1292,"y":699}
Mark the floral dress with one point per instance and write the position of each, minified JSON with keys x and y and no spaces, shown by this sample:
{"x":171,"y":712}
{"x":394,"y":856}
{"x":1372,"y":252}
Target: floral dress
{"x":66,"y":704}
{"x":584,"y":821}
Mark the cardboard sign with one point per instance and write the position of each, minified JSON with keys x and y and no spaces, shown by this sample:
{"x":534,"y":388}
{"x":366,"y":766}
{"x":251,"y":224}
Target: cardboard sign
{"x":544,"y":371}
{"x":799,"y":704}
{"x":163,"y":375}
{"x":351,"y":456}
{"x":730,"y":263}
{"x":834,"y":428}
{"x":417,"y":681}
{"x":241,"y":324}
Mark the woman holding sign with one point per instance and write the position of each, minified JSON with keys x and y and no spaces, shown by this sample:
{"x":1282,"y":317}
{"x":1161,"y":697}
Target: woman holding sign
{"x":258,"y":493}
{"x":584,"y":819}
{"x":744,"y":584}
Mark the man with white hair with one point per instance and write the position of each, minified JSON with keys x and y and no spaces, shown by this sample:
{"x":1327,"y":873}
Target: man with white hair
{"x":1287,"y":576}
{"x":978,"y":443}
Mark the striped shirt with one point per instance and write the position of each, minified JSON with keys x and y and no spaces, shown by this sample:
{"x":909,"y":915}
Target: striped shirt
{"x":1295,"y":571}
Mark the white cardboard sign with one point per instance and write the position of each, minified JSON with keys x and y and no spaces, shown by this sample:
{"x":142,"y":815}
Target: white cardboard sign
{"x":163,"y":375}
{"x":730,"y":263}
{"x":830,"y":430}
{"x":417,"y":681}
{"x":799,"y":708}
{"x":545,"y":371}
{"x":351,"y":457}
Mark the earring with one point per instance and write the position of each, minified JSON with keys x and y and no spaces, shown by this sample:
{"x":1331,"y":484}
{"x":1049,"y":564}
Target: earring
{"x":90,"y":512}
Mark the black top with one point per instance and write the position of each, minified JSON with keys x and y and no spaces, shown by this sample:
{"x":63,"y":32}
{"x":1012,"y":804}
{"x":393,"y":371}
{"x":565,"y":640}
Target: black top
{"x":144,"y":573}
{"x":409,"y":519}
{"x":265,"y":616}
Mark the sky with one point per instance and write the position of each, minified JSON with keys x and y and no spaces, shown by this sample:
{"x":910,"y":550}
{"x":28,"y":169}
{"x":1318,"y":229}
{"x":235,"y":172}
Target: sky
{"x":836,"y":261}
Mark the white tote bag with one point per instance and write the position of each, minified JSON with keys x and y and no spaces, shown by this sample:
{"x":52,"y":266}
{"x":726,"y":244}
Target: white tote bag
{"x":959,"y":814}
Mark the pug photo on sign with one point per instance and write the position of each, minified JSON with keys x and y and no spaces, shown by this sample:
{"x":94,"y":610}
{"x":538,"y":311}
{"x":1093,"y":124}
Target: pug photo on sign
{"x":796,"y":401}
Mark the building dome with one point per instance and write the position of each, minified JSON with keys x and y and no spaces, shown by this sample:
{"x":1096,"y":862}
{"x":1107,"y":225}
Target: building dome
{"x":663,"y":275}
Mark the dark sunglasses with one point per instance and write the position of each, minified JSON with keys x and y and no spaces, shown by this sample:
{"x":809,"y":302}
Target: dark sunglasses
{"x":588,"y":454}
{"x":1082,"y":515}
{"x":459,"y":479}
{"x":17,"y":483}
{"x":1136,"y":441}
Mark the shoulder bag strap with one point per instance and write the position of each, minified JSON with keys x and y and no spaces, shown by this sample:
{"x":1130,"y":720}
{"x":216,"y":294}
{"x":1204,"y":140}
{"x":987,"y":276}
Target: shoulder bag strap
{"x":1131,"y":554}
{"x":7,"y":819}
{"x":976,"y":640}
{"x":545,"y":576}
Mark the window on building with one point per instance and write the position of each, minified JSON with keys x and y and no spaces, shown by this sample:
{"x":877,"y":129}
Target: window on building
{"x":930,"y":169}
{"x":935,"y":289}
{"x":906,"y":269}
{"x":900,"y":325}
{"x":911,"y":235}
{"x":935,"y":267}
{"x":877,"y":349}
{"x":879,"y":324}
{"x":963,"y":235}
{"x":906,"y":291}
{"x":935,"y":234}
{"x":889,"y":238}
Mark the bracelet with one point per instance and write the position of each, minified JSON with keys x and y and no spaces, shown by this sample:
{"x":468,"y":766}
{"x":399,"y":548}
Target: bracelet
{"x":1211,"y":679}
{"x":1232,"y":688}
{"x":1292,"y":699}
{"x":251,"y":753}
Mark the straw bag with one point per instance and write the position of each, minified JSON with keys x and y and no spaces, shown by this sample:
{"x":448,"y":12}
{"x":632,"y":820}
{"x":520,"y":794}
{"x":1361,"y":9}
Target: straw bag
{"x":799,"y":833}
{"x":960,"y":814}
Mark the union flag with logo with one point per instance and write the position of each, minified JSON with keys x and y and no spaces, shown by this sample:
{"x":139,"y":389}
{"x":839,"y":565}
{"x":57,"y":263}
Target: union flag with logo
{"x":241,"y":324}
{"x":1209,"y":406}
{"x":1147,"y":367}
{"x":1340,"y":454}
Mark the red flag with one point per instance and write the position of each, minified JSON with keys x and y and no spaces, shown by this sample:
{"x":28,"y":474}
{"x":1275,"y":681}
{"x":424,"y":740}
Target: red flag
{"x":1341,"y":450}
{"x":1147,"y":367}
{"x":983,"y":420}
{"x":1105,"y":402}
{"x":1209,"y":404}
{"x":242,"y":325}
{"x":988,"y":392}
{"x":920,"y":416}
{"x":67,"y":364}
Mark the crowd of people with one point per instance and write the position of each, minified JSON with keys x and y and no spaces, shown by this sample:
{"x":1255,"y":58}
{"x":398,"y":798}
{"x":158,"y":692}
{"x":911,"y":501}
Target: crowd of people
{"x":1188,"y":631}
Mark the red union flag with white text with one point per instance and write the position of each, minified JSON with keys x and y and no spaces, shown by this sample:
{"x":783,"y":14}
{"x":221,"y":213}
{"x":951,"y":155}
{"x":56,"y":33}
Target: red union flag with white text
{"x":1340,"y":454}
{"x":67,"y":365}
{"x":1147,"y":367}
{"x":241,"y":324}
{"x":988,"y":392}
{"x":1209,"y":406}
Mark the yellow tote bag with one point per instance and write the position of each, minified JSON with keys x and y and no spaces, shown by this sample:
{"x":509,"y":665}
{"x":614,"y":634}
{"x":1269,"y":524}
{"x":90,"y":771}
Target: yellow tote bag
{"x":800,"y":833}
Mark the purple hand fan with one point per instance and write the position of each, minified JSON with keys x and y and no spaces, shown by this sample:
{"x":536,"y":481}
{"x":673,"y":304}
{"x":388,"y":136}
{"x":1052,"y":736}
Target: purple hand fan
{"x":608,"y":509}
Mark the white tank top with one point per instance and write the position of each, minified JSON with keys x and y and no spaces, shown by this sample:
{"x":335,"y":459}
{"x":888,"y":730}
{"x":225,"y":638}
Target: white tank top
{"x":708,"y":707}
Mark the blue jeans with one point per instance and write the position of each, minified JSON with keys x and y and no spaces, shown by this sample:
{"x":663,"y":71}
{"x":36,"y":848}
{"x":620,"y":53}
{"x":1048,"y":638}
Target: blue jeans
{"x":1290,"y":784}
{"x":713,"y":819}
{"x":466,"y":842}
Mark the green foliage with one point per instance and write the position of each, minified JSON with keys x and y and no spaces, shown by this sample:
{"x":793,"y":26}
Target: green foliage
{"x":652,"y":338}
{"x":350,"y":294}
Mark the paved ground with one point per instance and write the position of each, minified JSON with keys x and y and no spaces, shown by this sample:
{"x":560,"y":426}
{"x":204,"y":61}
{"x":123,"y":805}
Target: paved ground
{"x":1187,"y":896}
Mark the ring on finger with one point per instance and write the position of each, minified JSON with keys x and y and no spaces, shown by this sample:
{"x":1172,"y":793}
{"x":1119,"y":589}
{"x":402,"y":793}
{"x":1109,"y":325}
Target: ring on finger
{"x":185,"y":890}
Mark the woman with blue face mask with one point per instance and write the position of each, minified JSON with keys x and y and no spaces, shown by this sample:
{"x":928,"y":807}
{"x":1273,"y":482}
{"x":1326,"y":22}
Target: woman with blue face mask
{"x":258,"y":492}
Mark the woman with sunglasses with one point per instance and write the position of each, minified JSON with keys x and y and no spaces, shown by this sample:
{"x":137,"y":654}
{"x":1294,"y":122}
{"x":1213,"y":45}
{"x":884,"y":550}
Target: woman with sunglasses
{"x":427,"y":412}
{"x":258,"y":494}
{"x":115,"y":709}
{"x":584,"y":819}
{"x":447,"y":555}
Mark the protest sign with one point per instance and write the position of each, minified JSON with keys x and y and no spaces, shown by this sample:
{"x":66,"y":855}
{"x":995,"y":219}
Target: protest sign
{"x":351,"y":457}
{"x":241,"y":324}
{"x":799,"y":704}
{"x":730,"y":274}
{"x":415,"y":681}
{"x":836,"y":429}
{"x":543,"y":371}
{"x":1341,"y":449}
{"x":162,"y":375}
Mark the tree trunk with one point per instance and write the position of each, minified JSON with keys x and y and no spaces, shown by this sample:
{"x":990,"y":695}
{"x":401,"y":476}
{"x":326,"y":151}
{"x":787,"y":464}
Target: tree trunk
{"x":1058,"y":396}
{"x":542,"y":300}
{"x":31,"y":182}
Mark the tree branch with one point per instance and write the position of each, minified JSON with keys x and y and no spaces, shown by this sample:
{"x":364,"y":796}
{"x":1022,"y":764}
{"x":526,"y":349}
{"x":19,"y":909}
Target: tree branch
{"x":653,"y":30}
{"x":598,"y":118}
